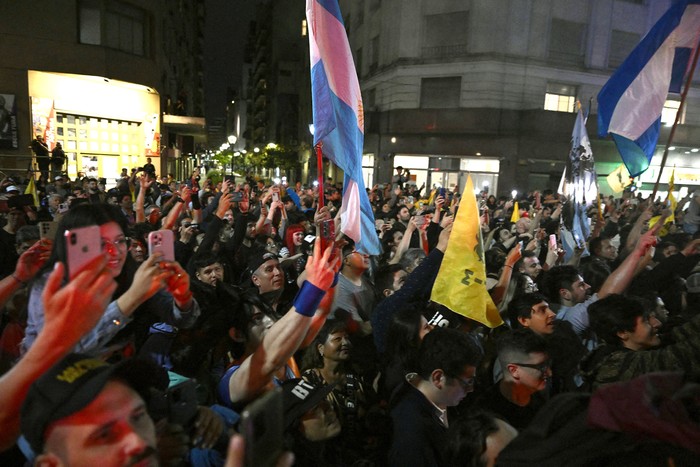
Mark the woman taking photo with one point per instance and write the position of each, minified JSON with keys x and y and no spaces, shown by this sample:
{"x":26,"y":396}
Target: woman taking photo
{"x":150,"y":292}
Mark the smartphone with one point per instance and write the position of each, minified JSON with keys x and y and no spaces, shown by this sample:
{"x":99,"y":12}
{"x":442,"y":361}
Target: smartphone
{"x":420,"y":220}
{"x":275,"y":196}
{"x":553,"y":242}
{"x":236,"y":196}
{"x":48,"y":230}
{"x":327,"y":234}
{"x":441,"y":192}
{"x":83,"y":244}
{"x":163,"y":241}
{"x":262,"y":427}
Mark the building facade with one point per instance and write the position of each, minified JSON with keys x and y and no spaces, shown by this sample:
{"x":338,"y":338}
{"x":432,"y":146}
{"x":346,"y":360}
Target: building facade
{"x":100,"y":77}
{"x":490,"y":87}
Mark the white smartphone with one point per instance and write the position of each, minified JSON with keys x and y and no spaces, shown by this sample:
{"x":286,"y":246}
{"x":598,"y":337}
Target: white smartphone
{"x":163,"y":241}
{"x":83,"y":244}
{"x":47,"y":230}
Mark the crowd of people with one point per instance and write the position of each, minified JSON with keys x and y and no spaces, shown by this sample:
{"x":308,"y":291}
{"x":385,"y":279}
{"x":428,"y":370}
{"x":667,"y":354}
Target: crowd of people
{"x":142,"y":359}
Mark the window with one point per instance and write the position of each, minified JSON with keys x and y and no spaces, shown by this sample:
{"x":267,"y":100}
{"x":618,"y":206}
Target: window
{"x":116,"y":25}
{"x":303,"y":28}
{"x":668,"y":113}
{"x":621,"y":44}
{"x":566,"y":42}
{"x":358,"y":62}
{"x":370,"y":99}
{"x":560,"y":97}
{"x":440,"y":93}
{"x":446,"y":34}
{"x":374,"y":54}
{"x":360,"y":8}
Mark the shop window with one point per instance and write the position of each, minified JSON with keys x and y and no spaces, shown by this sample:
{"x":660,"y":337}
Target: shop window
{"x":440,"y":93}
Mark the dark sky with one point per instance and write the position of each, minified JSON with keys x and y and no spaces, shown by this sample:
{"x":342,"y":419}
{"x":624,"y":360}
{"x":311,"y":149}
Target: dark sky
{"x":224,"y":42}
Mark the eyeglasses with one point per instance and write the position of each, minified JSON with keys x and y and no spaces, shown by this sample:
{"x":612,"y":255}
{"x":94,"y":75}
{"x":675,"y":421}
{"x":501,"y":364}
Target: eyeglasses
{"x":467,"y":384}
{"x":119,"y":244}
{"x":541,"y":367}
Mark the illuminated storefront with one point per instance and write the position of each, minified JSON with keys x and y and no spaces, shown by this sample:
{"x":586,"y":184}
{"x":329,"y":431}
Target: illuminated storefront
{"x":103,"y":125}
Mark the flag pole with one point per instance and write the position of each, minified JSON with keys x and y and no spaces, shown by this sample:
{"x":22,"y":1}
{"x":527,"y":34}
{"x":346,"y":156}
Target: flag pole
{"x":319,"y":165}
{"x":672,"y":133}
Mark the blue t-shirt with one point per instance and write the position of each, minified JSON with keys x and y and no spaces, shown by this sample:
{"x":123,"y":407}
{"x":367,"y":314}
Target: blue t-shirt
{"x":222,"y":388}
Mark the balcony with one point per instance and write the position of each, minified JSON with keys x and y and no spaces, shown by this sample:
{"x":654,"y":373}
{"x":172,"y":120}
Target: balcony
{"x":445,"y":51}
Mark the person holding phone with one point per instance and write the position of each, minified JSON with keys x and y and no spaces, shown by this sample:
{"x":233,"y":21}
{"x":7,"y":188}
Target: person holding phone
{"x":262,"y":345}
{"x":153,"y":291}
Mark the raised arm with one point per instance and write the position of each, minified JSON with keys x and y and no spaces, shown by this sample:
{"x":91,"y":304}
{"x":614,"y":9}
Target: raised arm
{"x":499,"y":290}
{"x":70,"y":312}
{"x":139,"y":208}
{"x":405,"y":241}
{"x":621,"y":277}
{"x":287,"y":334}
{"x":29,"y":263}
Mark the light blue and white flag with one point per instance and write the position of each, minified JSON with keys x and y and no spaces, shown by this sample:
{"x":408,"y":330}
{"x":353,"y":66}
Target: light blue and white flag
{"x":339,"y":118}
{"x":630,"y":103}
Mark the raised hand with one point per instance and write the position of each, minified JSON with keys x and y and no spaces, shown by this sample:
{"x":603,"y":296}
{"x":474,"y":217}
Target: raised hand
{"x":32,"y":260}
{"x":74,"y":309}
{"x":322,"y":268}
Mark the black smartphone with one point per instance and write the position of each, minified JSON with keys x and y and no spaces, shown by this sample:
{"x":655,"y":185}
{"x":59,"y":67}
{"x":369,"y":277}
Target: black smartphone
{"x":236,"y":196}
{"x":262,"y":427}
{"x":327,"y":234}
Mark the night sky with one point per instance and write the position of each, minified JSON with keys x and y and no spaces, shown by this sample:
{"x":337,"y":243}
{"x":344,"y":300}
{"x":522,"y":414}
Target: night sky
{"x":224,"y":42}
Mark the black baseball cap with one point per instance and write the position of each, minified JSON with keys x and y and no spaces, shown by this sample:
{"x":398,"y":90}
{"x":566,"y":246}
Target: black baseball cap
{"x":258,"y":258}
{"x":73,"y":383}
{"x":300,"y":396}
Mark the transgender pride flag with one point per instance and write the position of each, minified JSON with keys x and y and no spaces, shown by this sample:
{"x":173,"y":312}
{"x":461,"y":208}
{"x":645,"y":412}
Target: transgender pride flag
{"x":338,"y":117}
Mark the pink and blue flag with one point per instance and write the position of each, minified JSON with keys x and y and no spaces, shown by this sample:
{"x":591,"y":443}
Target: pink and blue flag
{"x":630,"y":103}
{"x":339,"y":118}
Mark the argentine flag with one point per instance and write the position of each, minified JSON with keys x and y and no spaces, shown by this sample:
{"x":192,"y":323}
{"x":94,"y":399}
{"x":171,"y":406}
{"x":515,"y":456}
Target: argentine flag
{"x":630,"y":103}
{"x":339,"y":118}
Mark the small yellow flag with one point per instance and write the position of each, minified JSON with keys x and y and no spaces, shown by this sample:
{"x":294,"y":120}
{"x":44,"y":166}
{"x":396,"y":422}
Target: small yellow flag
{"x":461,"y":282}
{"x":516,"y":213}
{"x":31,"y":190}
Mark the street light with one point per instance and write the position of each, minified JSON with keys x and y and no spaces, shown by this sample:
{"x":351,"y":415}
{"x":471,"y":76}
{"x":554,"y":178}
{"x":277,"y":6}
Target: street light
{"x":232,"y":139}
